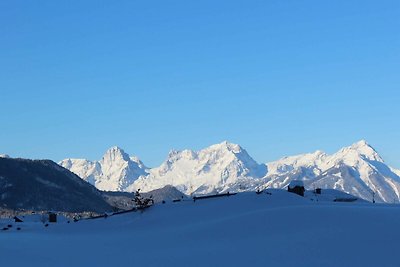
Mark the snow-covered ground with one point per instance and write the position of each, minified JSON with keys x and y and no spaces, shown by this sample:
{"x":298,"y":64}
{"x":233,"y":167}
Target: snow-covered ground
{"x":247,"y":229}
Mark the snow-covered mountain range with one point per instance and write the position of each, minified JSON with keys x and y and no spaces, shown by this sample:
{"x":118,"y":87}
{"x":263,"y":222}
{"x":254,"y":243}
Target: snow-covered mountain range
{"x":214,"y":169}
{"x":357,"y":170}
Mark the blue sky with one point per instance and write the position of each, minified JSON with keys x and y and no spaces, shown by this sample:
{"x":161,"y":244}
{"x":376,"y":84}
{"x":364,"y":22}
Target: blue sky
{"x":277,"y":77}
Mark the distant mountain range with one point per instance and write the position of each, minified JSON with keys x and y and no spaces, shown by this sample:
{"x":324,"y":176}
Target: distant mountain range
{"x":358,"y":170}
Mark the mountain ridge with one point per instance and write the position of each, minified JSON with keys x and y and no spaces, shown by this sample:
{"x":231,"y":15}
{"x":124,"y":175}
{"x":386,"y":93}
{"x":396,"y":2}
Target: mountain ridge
{"x":357,"y":169}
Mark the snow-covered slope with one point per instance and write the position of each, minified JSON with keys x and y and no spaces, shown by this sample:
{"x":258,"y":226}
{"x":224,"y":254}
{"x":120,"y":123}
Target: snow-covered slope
{"x":397,"y":172}
{"x":213,"y":169}
{"x":247,"y":229}
{"x":116,"y":171}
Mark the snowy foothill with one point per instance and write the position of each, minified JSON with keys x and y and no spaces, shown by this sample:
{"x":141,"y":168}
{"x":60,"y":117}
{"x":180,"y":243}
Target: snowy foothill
{"x":271,"y":228}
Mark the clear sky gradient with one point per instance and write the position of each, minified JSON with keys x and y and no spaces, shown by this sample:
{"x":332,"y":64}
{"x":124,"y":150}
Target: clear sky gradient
{"x":277,"y":77}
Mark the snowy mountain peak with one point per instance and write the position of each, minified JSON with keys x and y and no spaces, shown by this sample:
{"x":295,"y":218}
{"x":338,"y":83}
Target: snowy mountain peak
{"x":116,"y":171}
{"x":319,"y":153}
{"x":227,"y":146}
{"x":115,"y":153}
{"x":359,"y":150}
{"x":361,"y":143}
{"x":175,"y":155}
{"x":4,"y":156}
{"x":218,"y":150}
{"x":115,"y":149}
{"x":363,"y":147}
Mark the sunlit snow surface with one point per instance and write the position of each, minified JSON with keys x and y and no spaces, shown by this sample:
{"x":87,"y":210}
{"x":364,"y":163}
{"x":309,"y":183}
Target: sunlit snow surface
{"x":247,"y":229}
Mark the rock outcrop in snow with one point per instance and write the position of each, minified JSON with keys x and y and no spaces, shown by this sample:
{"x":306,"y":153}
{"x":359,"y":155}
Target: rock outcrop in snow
{"x":116,"y":171}
{"x":358,"y":170}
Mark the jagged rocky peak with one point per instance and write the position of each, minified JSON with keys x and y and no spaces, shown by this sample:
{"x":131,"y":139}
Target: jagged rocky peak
{"x":67,"y":163}
{"x":225,"y":146}
{"x":115,"y":153}
{"x":116,"y":171}
{"x":319,"y":154}
{"x":175,"y":155}
{"x":218,"y":150}
{"x":227,"y":151}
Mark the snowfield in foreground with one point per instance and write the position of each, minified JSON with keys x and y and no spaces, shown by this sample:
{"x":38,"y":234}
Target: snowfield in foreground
{"x":247,"y":229}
